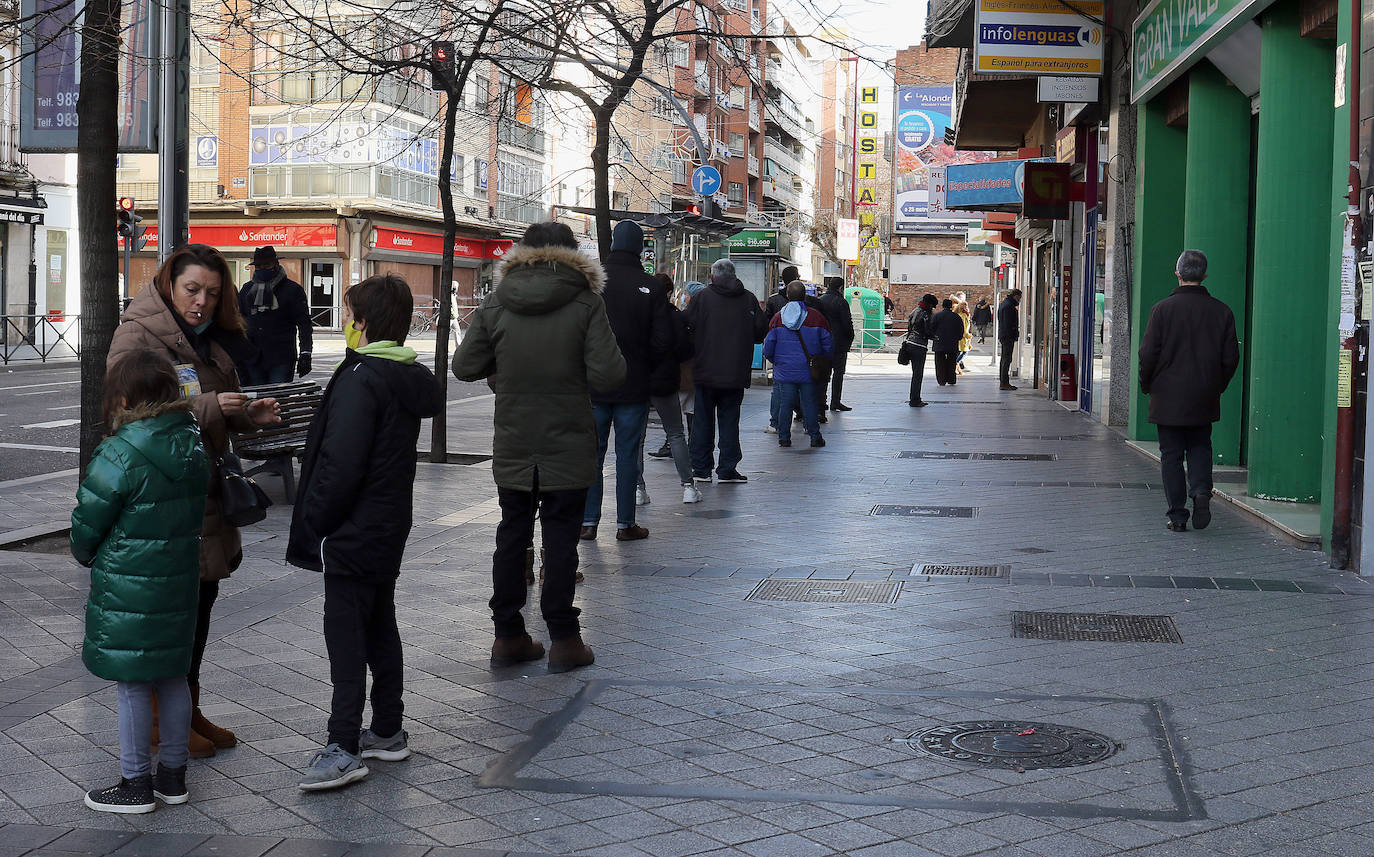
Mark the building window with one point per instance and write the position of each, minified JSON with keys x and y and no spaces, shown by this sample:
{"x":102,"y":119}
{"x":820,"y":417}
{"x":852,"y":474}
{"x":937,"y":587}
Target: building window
{"x":736,"y":192}
{"x":737,"y":145}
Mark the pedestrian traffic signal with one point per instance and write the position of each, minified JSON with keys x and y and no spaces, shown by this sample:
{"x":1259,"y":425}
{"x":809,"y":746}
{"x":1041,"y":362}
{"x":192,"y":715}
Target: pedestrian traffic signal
{"x":443,"y":67}
{"x":129,"y":221}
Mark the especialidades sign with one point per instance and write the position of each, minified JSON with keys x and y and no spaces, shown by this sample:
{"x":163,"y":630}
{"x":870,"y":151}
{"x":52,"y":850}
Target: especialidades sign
{"x":1169,"y":35}
{"x":1058,"y":37}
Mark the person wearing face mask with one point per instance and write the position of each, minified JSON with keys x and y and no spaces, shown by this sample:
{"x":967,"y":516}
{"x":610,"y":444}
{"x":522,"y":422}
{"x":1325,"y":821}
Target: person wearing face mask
{"x":190,"y":314}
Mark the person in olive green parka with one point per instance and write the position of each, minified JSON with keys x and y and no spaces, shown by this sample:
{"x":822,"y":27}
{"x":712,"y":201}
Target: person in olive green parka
{"x":543,"y":342}
{"x":137,"y":525}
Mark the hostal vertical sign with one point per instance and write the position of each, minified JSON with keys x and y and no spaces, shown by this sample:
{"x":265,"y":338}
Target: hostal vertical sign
{"x":866,"y":179}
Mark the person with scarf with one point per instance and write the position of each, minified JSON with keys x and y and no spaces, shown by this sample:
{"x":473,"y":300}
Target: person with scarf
{"x":276,"y":311}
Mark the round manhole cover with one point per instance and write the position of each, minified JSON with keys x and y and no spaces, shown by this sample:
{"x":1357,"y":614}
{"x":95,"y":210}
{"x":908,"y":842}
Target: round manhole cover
{"x":1014,"y":743}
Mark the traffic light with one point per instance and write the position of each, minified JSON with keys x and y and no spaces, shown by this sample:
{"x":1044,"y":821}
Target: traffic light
{"x":129,"y":220}
{"x":710,"y":208}
{"x":443,"y":66}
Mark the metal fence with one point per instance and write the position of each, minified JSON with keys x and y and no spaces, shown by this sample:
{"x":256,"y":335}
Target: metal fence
{"x":39,"y":337}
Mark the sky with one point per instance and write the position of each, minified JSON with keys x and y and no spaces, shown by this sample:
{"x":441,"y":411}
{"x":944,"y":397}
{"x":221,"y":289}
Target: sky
{"x":885,"y":24}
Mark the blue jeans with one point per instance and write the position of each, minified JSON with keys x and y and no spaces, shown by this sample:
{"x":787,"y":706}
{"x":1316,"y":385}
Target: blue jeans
{"x":136,"y":724}
{"x":629,"y":422}
{"x":716,"y":406}
{"x":787,"y":400}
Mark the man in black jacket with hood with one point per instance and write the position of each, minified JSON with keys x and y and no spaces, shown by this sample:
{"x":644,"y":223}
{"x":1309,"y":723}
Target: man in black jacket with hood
{"x":351,"y":520}
{"x":841,"y":319}
{"x":1008,"y":331}
{"x":638,"y":312}
{"x":1188,"y":356}
{"x":726,"y":323}
{"x":275,"y":309}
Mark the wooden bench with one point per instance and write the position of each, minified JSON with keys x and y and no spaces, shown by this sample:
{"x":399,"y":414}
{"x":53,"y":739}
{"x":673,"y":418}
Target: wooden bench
{"x":275,"y":446}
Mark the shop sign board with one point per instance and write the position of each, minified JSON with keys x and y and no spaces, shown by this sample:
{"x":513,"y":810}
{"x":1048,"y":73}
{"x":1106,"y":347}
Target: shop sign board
{"x":1055,"y":37}
{"x":1066,"y":311}
{"x":923,"y":115}
{"x":986,"y":186}
{"x":1169,"y":35}
{"x":428,"y":242}
{"x":753,"y":242}
{"x":248,"y":237}
{"x":1066,"y":90}
{"x":50,"y":67}
{"x":847,"y":240}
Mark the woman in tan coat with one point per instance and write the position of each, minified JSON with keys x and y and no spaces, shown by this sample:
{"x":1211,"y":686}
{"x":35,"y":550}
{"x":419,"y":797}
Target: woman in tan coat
{"x":190,"y":313}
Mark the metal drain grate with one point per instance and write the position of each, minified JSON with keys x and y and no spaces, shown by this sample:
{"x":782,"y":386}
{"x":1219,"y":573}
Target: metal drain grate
{"x":883,"y":509}
{"x":1094,"y":627}
{"x":1032,"y":550}
{"x":1015,"y":456}
{"x":960,"y":570}
{"x":922,"y":454}
{"x":827,"y":591}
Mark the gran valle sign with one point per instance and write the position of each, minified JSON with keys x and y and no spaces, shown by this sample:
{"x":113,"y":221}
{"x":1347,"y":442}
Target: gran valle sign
{"x":1169,"y":35}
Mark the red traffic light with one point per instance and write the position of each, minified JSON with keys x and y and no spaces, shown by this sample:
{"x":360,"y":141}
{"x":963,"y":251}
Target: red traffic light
{"x":126,"y":203}
{"x":693,"y":208}
{"x":440,"y":54}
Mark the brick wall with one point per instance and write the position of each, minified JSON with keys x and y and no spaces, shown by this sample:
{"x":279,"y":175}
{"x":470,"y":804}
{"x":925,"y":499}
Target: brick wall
{"x":236,"y":63}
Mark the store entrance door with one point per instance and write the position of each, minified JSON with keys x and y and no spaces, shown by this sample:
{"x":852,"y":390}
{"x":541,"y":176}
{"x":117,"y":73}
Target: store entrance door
{"x":324,"y":294}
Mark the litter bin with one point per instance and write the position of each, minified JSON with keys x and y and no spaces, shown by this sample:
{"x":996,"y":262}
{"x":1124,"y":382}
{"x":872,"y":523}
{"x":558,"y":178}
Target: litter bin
{"x":866,"y":305}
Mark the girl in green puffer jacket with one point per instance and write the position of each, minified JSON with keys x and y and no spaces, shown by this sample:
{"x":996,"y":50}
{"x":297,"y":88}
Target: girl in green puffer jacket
{"x":137,"y":526}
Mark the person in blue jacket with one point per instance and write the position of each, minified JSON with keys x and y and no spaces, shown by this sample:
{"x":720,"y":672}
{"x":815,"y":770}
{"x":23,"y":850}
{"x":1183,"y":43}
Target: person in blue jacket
{"x":796,"y":334}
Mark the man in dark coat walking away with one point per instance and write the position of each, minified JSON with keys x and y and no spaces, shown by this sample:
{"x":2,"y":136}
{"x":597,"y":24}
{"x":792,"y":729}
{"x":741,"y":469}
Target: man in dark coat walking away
{"x":982,"y":318}
{"x":1008,"y":331}
{"x":1188,"y":356}
{"x":946,"y":329}
{"x":726,"y":323}
{"x":837,"y":312}
{"x":276,"y":311}
{"x":916,"y":345}
{"x":638,"y":310}
{"x":542,"y":341}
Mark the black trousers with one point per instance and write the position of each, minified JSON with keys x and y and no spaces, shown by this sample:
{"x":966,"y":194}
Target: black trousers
{"x":837,"y":364}
{"x":561,"y":515}
{"x":944,"y":367}
{"x":360,"y":634}
{"x":918,"y":371}
{"x":1004,"y":365}
{"x":209,"y":592}
{"x":1177,"y":443}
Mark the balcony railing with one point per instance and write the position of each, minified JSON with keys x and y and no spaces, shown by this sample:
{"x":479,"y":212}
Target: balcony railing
{"x":753,"y":117}
{"x":11,"y":159}
{"x":520,"y":210}
{"x":520,"y":134}
{"x":783,"y":156}
{"x":753,"y":165}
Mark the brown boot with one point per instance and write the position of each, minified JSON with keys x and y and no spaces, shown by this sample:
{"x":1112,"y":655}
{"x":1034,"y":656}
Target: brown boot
{"x":569,"y":654}
{"x":199,"y":747}
{"x":220,"y":737}
{"x":509,"y":651}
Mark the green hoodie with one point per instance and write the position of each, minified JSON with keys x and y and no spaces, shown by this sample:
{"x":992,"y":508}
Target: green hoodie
{"x":387,"y":349}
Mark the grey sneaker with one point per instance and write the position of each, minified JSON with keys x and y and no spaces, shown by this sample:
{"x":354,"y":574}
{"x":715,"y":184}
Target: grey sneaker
{"x":393,"y":749}
{"x":333,"y":767}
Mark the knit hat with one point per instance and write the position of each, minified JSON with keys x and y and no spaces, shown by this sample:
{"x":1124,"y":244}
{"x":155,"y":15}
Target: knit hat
{"x":627,"y":236}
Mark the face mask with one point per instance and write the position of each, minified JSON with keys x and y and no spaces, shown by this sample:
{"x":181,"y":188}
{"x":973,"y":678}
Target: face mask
{"x":201,"y":328}
{"x":352,"y":336}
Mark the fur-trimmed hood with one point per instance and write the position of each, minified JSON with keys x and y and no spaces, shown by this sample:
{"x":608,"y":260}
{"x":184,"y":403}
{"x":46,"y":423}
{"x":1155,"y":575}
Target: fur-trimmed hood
{"x":520,"y":256}
{"x":124,"y":416}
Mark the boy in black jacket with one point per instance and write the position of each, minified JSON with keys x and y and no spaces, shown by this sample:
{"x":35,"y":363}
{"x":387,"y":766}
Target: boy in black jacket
{"x":351,"y":520}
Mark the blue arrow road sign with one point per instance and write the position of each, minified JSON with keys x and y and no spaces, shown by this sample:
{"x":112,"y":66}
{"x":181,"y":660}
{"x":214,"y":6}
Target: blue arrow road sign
{"x":706,"y":180}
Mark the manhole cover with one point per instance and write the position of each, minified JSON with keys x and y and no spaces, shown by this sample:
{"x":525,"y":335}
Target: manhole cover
{"x":920,"y":453}
{"x":924,"y":511}
{"x":1014,"y":744}
{"x":961,"y":570}
{"x":1094,"y":627}
{"x":832,"y":591}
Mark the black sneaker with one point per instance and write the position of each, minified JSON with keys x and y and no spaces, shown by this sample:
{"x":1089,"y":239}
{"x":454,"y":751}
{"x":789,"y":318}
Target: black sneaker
{"x":840,"y":408}
{"x":1177,"y":526}
{"x":701,"y":475}
{"x":1202,"y":511}
{"x":663,"y":452}
{"x":784,"y":442}
{"x":822,"y":418}
{"x":129,"y":796}
{"x":169,"y":785}
{"x":818,"y":441}
{"x":731,"y":476}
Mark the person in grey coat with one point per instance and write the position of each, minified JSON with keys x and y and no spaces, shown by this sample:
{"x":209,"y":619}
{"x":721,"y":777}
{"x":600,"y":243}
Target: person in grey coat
{"x":1188,"y":355}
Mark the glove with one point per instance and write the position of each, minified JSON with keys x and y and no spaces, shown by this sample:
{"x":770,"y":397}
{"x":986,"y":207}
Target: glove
{"x":303,"y":364}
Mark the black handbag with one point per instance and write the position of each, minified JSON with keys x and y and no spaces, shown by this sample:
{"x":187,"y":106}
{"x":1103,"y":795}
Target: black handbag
{"x":903,"y":355}
{"x":819,"y":364}
{"x":241,"y":500}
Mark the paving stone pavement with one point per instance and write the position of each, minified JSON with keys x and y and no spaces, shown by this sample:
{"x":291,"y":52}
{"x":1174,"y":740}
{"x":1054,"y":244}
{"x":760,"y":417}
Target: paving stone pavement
{"x":713,"y":724}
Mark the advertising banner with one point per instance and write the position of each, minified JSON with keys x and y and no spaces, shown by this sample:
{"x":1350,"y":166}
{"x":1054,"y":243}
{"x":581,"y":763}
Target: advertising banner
{"x":50,"y":66}
{"x":323,"y":235}
{"x":922,"y":115}
{"x":753,"y":242}
{"x":991,"y":186}
{"x":847,"y":240}
{"x":1057,"y":37}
